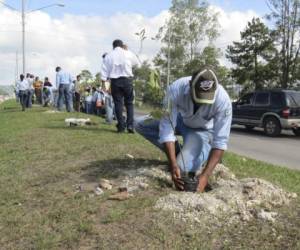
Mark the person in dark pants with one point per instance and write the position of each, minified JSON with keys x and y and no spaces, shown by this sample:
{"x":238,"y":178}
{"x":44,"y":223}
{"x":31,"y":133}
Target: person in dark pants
{"x":63,"y":83}
{"x":22,"y":89}
{"x":122,"y":92}
{"x":77,"y":93}
{"x":117,"y":66}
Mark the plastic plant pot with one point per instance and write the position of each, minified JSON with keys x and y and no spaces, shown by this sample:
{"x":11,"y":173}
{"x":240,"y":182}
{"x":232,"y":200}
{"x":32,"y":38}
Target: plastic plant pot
{"x":190,"y":182}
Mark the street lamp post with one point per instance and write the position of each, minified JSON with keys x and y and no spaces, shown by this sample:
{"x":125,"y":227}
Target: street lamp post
{"x":23,"y":37}
{"x":23,"y":15}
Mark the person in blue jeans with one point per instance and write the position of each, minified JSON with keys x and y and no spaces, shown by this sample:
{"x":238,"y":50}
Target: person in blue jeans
{"x":63,"y":84}
{"x":199,"y":109}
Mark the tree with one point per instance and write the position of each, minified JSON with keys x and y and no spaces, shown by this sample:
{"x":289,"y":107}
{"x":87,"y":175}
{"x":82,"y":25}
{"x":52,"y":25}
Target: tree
{"x":191,"y":22}
{"x":286,"y":14}
{"x":147,"y":83}
{"x":252,"y":54}
{"x":86,"y":76}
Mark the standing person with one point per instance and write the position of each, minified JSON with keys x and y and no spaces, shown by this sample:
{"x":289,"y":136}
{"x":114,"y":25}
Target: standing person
{"x":63,"y":84}
{"x":77,"y":93}
{"x":38,"y":85}
{"x":22,"y":89}
{"x":117,"y":66}
{"x":30,"y":81}
{"x":201,"y":112}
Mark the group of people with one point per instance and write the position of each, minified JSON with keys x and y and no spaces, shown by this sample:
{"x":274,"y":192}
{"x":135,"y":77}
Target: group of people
{"x":67,"y":93}
{"x":199,"y":109}
{"x":31,"y":90}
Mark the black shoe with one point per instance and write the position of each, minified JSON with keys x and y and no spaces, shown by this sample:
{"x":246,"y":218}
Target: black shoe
{"x":120,"y":131}
{"x":130,"y":130}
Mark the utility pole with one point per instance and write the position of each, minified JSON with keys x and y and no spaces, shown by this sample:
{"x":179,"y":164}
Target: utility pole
{"x":169,"y":58}
{"x":17,"y":65}
{"x":23,"y":37}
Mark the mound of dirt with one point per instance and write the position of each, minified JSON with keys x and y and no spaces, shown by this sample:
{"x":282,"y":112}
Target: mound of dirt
{"x":230,"y":198}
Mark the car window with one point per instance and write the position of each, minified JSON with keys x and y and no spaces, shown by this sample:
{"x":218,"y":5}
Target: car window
{"x":293,"y":99}
{"x":246,"y":99}
{"x":277,"y":99}
{"x":262,"y":99}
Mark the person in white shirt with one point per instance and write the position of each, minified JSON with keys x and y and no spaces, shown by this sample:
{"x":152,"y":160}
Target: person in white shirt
{"x":30,"y":80}
{"x":22,"y":89}
{"x":63,"y":84}
{"x":117,"y":67}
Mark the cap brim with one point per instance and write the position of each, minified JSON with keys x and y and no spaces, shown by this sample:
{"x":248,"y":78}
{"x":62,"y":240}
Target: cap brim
{"x":204,"y":97}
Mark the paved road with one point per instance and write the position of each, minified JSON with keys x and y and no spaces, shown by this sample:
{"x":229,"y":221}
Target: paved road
{"x":283,"y":150}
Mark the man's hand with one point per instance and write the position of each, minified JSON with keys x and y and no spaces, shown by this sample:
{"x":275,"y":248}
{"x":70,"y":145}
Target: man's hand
{"x":202,"y":183}
{"x":176,"y":177}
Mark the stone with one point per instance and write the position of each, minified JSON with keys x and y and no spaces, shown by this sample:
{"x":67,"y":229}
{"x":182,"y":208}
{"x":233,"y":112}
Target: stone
{"x":267,"y":216}
{"x":77,"y":122}
{"x":129,"y":156}
{"x":105,"y":184}
{"x":98,"y":191}
{"x":121,"y":196}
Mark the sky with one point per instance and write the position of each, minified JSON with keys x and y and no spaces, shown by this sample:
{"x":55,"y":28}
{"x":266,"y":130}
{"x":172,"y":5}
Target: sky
{"x":76,"y":35}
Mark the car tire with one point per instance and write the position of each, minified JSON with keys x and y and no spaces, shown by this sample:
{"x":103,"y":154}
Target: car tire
{"x":296,"y":131}
{"x":249,"y":127}
{"x":272,"y":126}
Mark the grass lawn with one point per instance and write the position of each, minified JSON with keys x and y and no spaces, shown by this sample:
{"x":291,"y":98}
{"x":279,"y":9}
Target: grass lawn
{"x":42,"y":161}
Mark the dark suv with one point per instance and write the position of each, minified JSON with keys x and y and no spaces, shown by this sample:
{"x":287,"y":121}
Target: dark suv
{"x":273,"y":110}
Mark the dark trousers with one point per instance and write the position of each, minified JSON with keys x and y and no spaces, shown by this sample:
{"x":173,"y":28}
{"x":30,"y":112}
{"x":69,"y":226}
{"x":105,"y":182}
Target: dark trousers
{"x":77,"y":102}
{"x":64,"y":93}
{"x":122,"y":93}
{"x":29,"y":98}
{"x":23,"y":94}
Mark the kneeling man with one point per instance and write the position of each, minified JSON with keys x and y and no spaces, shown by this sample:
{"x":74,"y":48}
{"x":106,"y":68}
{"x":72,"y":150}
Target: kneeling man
{"x":200,"y":111}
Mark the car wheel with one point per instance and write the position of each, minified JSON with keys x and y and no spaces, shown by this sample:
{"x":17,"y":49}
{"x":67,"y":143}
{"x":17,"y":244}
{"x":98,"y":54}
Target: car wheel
{"x":249,"y":127}
{"x":296,"y":131}
{"x":272,"y":126}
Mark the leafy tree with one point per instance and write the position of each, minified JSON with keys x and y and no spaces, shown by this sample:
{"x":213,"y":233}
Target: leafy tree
{"x":191,"y":22}
{"x":252,"y":54}
{"x":86,"y":77}
{"x":98,"y":81}
{"x":286,"y":14}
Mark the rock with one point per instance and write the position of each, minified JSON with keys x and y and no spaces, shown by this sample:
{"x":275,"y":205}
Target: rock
{"x":123,"y":189}
{"x":105,"y":184}
{"x":267,"y":216}
{"x":98,"y":191}
{"x":143,"y":185}
{"x":129,"y":156}
{"x":77,"y":122}
{"x":121,"y":196}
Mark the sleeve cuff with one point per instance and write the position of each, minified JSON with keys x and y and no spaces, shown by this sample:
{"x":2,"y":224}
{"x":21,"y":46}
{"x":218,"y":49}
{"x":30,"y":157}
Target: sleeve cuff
{"x":170,"y":138}
{"x":221,"y":146}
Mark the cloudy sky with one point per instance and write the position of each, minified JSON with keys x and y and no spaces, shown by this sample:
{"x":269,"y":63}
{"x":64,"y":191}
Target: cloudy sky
{"x":75,"y":36}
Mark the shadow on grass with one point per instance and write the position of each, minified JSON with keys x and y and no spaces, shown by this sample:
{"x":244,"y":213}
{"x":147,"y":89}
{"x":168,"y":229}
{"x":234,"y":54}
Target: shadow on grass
{"x":92,"y":128}
{"x":115,"y":168}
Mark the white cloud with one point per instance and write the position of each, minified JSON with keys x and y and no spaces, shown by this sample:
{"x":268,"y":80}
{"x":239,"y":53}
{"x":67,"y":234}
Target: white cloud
{"x":77,"y":42}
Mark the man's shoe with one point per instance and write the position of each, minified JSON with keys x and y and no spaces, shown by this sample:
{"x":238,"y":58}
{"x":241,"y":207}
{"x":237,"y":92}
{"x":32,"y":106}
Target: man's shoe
{"x":130,"y":130}
{"x":120,"y":131}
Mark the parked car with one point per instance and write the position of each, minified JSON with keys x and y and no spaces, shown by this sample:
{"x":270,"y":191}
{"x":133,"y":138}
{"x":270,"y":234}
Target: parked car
{"x":272,"y":110}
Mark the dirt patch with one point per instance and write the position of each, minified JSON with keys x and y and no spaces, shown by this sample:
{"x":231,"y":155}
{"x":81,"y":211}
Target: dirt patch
{"x":230,"y":198}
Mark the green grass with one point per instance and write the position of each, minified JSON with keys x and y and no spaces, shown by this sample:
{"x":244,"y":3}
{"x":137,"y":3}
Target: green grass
{"x":42,"y":161}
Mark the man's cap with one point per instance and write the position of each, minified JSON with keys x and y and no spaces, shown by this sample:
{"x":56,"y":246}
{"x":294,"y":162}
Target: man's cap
{"x":204,"y":86}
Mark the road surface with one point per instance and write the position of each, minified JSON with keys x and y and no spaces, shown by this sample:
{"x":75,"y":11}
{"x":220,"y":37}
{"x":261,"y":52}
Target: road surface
{"x":283,"y":150}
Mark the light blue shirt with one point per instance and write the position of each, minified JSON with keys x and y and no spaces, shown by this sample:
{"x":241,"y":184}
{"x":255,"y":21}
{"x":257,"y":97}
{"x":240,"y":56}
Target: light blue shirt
{"x":63,"y":78}
{"x":215,"y":117}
